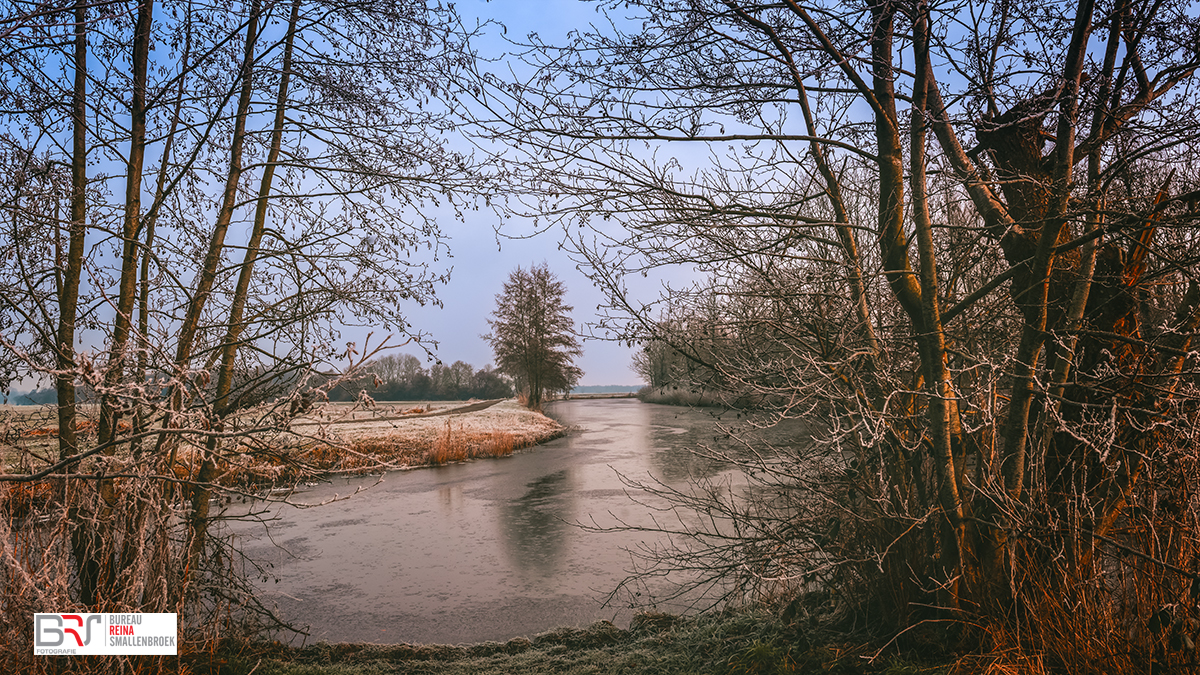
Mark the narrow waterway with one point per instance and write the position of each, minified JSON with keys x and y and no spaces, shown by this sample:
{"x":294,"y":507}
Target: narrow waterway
{"x":487,"y":550}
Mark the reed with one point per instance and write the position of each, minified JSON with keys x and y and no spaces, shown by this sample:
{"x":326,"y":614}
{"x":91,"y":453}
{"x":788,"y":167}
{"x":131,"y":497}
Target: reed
{"x":501,"y":444}
{"x":448,"y":447}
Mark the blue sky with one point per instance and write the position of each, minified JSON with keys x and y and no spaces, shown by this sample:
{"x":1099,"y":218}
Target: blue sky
{"x":482,"y":261}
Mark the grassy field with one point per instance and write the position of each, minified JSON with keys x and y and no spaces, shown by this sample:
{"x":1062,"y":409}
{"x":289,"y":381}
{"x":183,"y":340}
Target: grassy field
{"x":29,"y":433}
{"x":403,"y":433}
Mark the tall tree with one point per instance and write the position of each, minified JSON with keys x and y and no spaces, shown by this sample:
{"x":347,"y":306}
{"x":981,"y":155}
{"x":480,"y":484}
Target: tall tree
{"x":533,"y":336}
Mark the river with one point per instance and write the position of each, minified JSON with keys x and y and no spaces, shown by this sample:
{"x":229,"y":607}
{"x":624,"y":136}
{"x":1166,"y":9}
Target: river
{"x":487,"y":550}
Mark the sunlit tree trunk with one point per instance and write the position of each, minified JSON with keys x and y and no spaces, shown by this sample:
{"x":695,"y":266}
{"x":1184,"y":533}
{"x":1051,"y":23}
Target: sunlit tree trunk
{"x":1035,"y":297}
{"x":945,"y":428}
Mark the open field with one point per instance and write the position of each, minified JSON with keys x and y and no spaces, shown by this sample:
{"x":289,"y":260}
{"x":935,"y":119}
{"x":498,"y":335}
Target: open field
{"x":333,"y":438}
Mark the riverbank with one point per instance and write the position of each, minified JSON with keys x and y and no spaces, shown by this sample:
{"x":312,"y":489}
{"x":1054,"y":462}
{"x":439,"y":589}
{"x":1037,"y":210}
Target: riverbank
{"x":687,"y":396}
{"x":742,"y":641}
{"x":677,"y":396}
{"x":335,"y":440}
{"x":357,"y":442}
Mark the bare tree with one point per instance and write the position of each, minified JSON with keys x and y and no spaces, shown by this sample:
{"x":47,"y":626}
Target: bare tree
{"x":196,"y":199}
{"x":533,"y":336}
{"x":1002,"y":386}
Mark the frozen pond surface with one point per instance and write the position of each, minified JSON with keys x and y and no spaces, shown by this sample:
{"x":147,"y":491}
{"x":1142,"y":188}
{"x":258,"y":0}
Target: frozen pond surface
{"x":484,"y":550}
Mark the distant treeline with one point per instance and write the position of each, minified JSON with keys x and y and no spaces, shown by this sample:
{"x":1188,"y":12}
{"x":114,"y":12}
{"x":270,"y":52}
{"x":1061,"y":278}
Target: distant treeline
{"x":401,"y":377}
{"x":606,"y":389}
{"x":39,"y":397}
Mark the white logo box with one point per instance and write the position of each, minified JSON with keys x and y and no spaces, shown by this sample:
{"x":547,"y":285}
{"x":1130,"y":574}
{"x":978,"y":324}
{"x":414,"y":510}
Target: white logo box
{"x":105,"y":634}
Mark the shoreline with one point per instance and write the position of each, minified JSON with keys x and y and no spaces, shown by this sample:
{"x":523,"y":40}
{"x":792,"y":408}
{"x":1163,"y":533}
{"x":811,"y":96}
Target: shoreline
{"x":749,"y":639}
{"x":347,"y":447}
{"x":331,"y":443}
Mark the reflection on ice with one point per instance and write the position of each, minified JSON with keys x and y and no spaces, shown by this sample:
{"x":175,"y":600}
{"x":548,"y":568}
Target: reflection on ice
{"x":485,"y":550}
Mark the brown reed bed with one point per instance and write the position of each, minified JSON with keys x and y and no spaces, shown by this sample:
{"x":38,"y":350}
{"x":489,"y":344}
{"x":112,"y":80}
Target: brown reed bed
{"x":457,"y":445}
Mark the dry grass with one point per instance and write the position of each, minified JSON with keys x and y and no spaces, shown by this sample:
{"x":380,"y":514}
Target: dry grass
{"x":458,"y":446}
{"x":501,"y":444}
{"x":373,"y":446}
{"x":367,"y":446}
{"x":1008,"y":662}
{"x":447,"y":447}
{"x":497,"y":431}
{"x":140,"y":564}
{"x":365,"y":455}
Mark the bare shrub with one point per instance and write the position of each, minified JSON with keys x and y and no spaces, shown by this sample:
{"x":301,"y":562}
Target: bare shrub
{"x":980,"y":293}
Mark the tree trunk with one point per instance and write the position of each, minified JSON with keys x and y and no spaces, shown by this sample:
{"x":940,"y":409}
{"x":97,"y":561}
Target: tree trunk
{"x":945,"y":428}
{"x":84,"y":543}
{"x":204,"y":283}
{"x":127,"y":288}
{"x":1034,"y":297}
{"x":222,"y":406}
{"x":69,"y":300}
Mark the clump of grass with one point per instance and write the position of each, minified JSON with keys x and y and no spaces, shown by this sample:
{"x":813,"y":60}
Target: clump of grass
{"x":457,"y":445}
{"x":501,"y":444}
{"x":447,"y":447}
{"x":761,"y":657}
{"x":372,"y":451}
